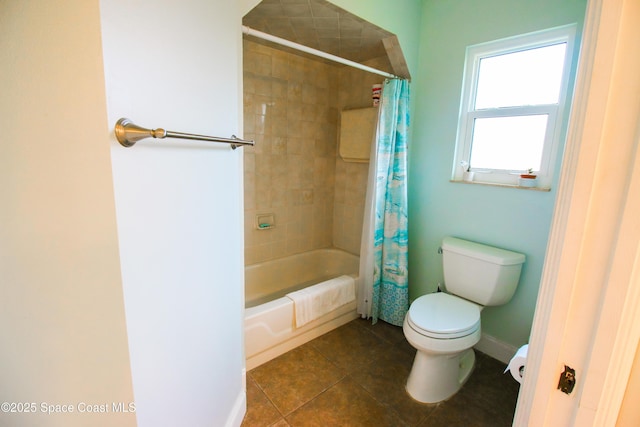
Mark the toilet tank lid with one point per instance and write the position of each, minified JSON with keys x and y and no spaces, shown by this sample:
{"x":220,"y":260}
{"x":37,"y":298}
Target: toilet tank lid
{"x":480,"y":251}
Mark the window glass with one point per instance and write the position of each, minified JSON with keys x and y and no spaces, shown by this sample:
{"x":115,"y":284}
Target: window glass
{"x":508,"y":143}
{"x":528,"y":77}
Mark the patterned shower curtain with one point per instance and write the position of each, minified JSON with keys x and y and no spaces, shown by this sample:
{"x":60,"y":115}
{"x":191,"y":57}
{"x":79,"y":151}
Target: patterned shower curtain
{"x":390,"y":294}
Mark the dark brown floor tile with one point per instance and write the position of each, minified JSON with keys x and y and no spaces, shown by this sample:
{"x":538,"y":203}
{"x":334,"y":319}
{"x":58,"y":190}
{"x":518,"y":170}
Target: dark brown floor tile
{"x":349,"y":347}
{"x":344,"y":404}
{"x":443,"y":418}
{"x":386,"y":331}
{"x":295,"y":378}
{"x":496,"y":390}
{"x":385,"y":379}
{"x":406,"y":347}
{"x":356,"y":376}
{"x":260,"y":411}
{"x":461,"y":411}
{"x":487,"y":399}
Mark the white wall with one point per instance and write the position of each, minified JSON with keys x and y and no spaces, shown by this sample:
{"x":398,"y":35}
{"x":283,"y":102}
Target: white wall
{"x":177,"y":65}
{"x":62,"y":326}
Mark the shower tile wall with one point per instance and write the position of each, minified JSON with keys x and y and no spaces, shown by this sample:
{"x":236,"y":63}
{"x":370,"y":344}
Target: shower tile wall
{"x":292,"y":107}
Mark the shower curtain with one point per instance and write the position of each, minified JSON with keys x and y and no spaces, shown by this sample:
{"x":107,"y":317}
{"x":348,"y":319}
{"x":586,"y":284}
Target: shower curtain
{"x":383,"y":284}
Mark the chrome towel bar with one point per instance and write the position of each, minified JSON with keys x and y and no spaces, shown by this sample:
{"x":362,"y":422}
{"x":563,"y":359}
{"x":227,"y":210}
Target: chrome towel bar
{"x":128,"y":133}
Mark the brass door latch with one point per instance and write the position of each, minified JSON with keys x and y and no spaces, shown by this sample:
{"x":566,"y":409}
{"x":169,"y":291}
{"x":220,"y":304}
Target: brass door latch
{"x":567,"y":380}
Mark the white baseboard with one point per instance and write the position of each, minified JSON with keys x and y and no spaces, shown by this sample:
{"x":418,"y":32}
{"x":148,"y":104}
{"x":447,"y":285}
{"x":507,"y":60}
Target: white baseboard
{"x":495,"y":348}
{"x":239,"y":409}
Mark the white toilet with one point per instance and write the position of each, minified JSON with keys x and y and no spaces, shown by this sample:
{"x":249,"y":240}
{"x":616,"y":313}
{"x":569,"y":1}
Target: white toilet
{"x":443,"y":327}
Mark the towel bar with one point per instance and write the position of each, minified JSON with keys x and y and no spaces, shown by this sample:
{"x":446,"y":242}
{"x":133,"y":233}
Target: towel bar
{"x":128,"y":133}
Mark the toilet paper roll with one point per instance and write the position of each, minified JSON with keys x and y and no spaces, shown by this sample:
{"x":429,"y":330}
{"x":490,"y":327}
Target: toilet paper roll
{"x":517,"y":363}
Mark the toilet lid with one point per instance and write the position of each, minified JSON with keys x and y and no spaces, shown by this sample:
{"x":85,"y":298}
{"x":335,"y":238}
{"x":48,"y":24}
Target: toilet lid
{"x":444,"y":316}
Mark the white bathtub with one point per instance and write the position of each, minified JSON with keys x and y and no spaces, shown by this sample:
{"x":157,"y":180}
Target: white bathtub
{"x":269,"y":315}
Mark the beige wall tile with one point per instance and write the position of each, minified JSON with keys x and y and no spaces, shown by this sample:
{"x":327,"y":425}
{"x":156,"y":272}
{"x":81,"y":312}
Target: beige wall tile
{"x":292,"y":106}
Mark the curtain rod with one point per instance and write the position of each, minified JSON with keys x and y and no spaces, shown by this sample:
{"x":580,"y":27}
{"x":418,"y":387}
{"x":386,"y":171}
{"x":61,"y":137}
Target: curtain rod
{"x":284,"y":42}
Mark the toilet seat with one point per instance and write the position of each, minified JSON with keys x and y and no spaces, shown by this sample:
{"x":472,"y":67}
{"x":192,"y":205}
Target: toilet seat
{"x":443,"y":316}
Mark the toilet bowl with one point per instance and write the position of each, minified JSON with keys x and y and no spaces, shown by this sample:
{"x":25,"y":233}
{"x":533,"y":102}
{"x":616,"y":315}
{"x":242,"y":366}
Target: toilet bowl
{"x":444,"y":327}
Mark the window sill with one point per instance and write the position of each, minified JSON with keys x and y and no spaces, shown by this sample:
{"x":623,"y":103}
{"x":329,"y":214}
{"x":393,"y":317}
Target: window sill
{"x":493,"y":184}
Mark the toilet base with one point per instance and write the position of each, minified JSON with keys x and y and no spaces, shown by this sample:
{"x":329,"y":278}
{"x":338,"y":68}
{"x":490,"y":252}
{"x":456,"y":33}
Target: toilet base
{"x":437,"y":377}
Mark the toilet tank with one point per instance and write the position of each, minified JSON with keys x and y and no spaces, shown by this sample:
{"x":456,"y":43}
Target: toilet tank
{"x":483,"y":274}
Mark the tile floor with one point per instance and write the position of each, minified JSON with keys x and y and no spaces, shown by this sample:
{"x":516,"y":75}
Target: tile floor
{"x":355,"y":376}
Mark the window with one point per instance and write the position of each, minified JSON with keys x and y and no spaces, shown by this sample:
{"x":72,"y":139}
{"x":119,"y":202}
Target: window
{"x":513,"y":101}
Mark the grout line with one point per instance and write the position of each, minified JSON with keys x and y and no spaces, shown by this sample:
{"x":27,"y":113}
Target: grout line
{"x":265,"y":395}
{"x":349,"y":372}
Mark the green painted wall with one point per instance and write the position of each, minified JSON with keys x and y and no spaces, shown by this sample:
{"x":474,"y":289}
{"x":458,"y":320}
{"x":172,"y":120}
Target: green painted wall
{"x":509,"y":218}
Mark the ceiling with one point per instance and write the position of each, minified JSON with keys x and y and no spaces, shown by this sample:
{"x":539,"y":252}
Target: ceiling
{"x":320,"y":25}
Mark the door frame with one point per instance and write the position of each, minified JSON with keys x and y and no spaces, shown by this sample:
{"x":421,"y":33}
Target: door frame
{"x":588,"y":308}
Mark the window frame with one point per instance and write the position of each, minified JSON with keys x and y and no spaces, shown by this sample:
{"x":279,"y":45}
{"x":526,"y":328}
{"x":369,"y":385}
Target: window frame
{"x":474,"y":54}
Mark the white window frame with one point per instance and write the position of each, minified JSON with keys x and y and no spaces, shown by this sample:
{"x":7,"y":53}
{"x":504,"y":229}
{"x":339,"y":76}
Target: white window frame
{"x":556,"y":112}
